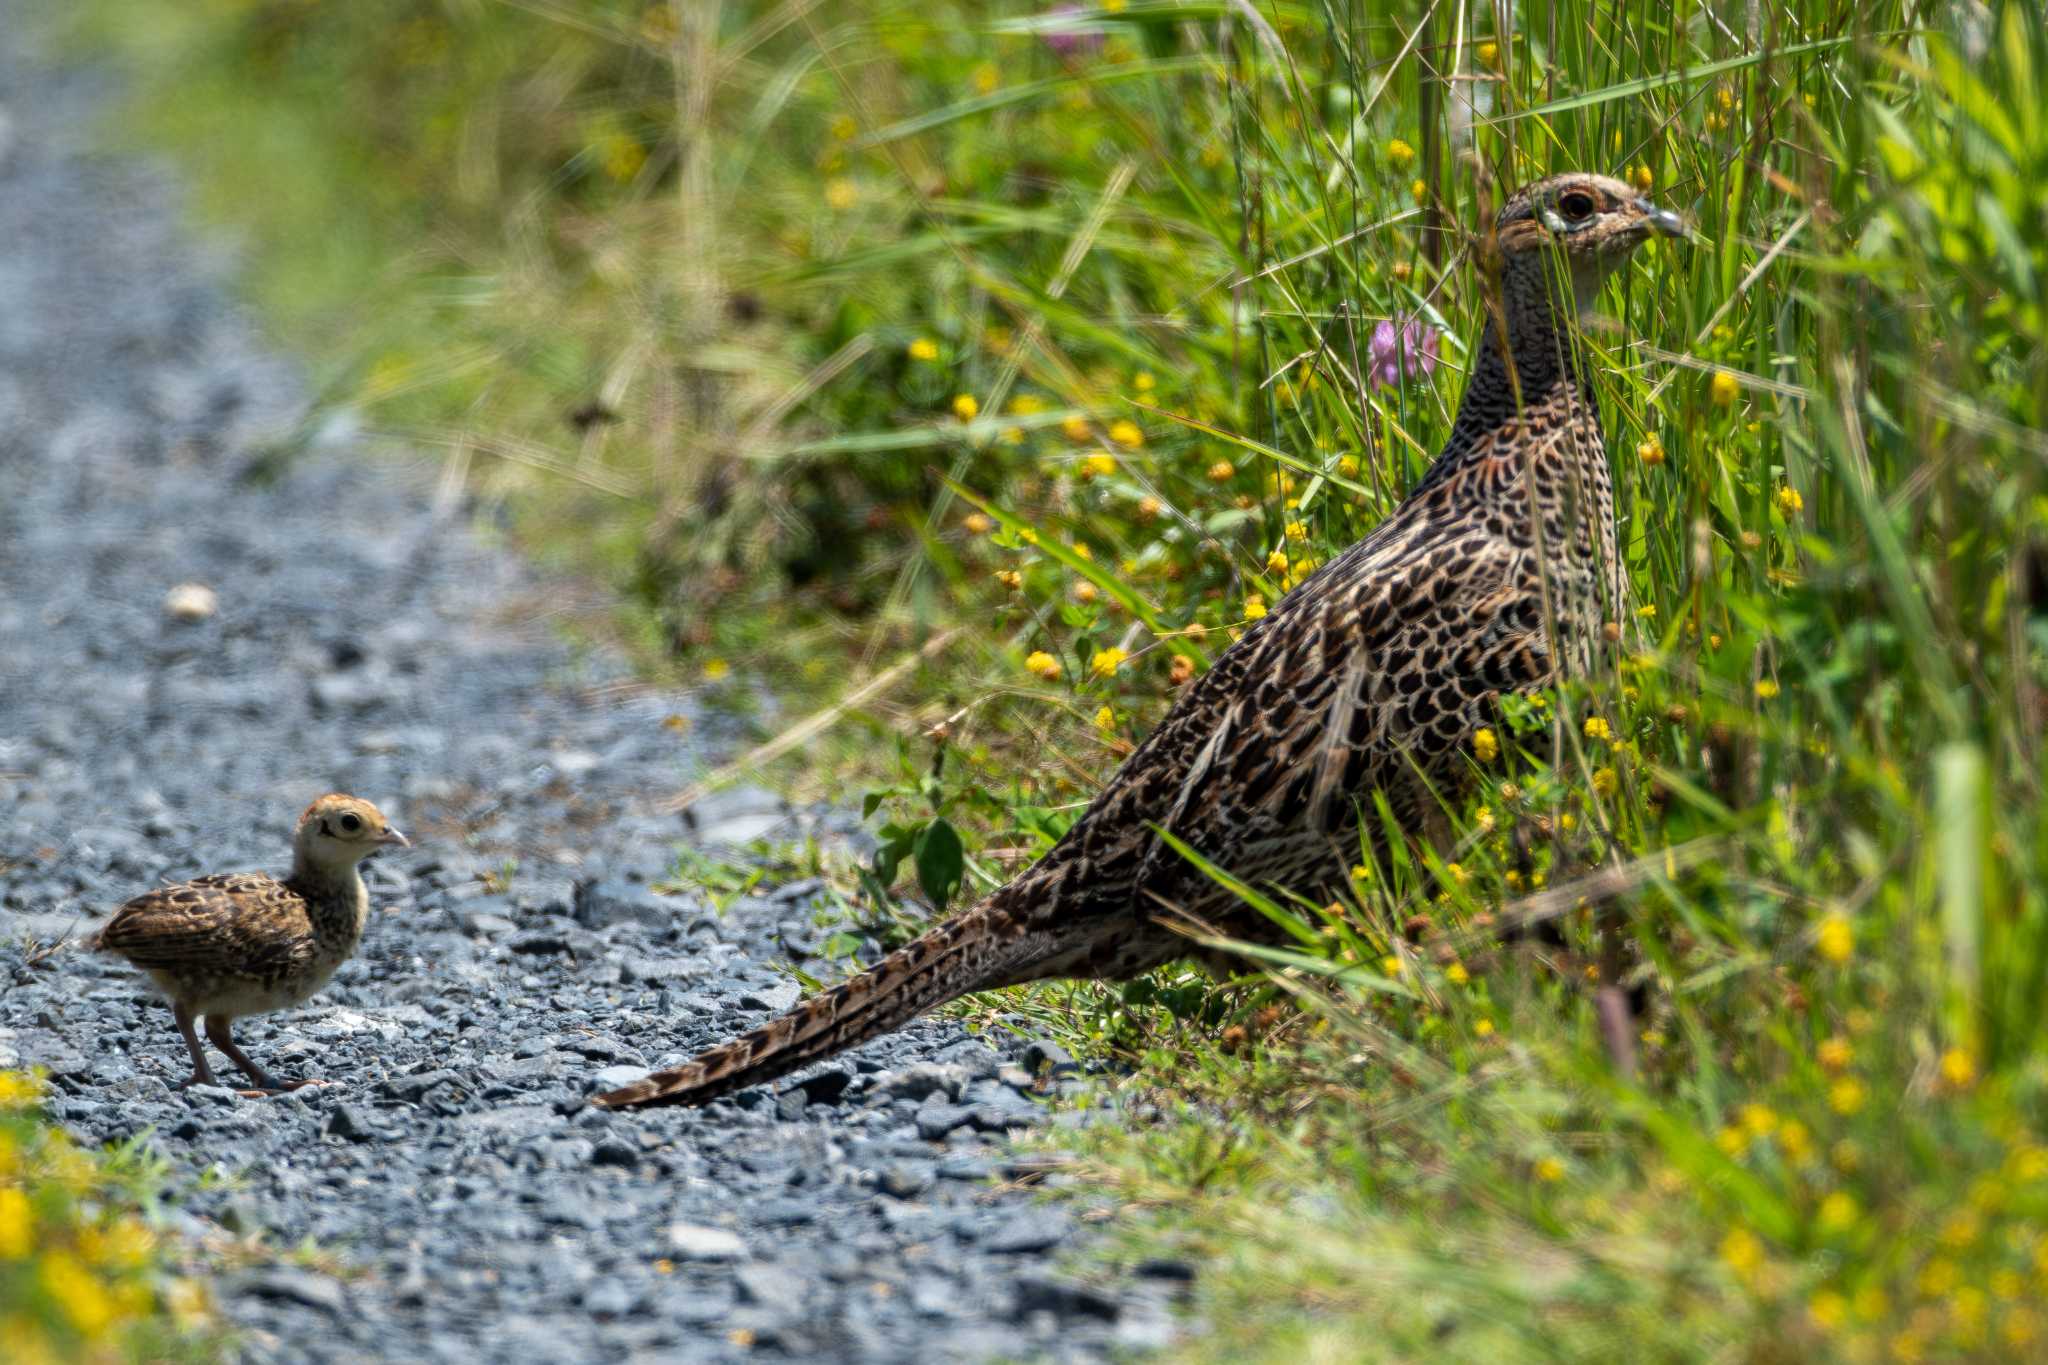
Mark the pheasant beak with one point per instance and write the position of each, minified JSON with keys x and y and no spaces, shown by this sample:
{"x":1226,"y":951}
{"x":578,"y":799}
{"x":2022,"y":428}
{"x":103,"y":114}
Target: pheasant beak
{"x":1662,"y":221}
{"x":391,"y":838}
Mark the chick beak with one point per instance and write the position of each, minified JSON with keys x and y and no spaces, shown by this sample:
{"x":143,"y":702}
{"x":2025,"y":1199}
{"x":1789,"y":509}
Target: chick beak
{"x":1662,"y":221}
{"x":391,"y":838}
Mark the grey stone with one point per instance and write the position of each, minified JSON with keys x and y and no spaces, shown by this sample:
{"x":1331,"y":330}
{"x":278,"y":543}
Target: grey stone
{"x":923,"y":1079}
{"x":292,"y":1285}
{"x":779,"y":997}
{"x":1029,"y":1231}
{"x":934,"y":1121}
{"x":694,"y":1242}
{"x":612,"y":1077}
{"x":1064,"y":1297}
{"x":771,"y":1285}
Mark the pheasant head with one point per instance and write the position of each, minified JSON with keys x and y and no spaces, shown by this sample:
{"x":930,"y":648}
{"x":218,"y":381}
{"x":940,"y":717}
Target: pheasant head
{"x":336,"y":832}
{"x":1586,"y":224}
{"x":1554,"y":242}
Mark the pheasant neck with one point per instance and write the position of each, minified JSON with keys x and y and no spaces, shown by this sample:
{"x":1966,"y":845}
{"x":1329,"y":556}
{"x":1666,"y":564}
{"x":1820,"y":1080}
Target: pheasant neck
{"x":1539,"y":377}
{"x":326,"y":881}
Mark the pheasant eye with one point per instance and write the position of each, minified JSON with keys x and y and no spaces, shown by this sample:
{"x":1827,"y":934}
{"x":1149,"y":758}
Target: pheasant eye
{"x":1576,"y":205}
{"x":351,"y":822}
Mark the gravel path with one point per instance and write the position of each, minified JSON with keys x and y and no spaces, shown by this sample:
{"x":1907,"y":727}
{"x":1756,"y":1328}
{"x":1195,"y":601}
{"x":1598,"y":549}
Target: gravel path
{"x":467,"y":1207}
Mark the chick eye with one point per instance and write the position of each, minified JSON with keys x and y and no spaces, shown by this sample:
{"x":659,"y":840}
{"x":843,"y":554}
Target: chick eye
{"x":351,"y":822}
{"x":1576,"y":205}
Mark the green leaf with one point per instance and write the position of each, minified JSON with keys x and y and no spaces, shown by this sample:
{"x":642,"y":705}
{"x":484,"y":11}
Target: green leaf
{"x":941,"y":862}
{"x":1964,"y":868}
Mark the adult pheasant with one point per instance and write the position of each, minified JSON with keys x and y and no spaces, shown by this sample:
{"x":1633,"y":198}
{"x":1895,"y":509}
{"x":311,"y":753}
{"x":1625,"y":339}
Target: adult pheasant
{"x":1496,"y":574}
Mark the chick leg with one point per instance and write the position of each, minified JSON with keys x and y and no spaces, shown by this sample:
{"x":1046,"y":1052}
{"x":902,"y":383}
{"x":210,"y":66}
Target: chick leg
{"x":202,"y":1074}
{"x":218,"y":1028}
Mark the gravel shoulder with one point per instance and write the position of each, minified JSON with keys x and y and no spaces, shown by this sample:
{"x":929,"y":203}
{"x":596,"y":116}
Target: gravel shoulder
{"x":464,"y":1204}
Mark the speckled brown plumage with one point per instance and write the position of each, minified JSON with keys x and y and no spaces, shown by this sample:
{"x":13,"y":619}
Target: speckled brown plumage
{"x":238,"y":943}
{"x":1494,"y":575}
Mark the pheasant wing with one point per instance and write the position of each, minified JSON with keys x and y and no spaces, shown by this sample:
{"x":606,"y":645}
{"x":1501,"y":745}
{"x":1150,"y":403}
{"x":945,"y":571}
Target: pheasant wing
{"x":246,"y":920}
{"x":1369,"y":678}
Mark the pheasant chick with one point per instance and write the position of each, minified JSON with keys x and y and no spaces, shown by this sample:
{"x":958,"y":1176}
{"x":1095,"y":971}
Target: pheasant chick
{"x":239,"y":943}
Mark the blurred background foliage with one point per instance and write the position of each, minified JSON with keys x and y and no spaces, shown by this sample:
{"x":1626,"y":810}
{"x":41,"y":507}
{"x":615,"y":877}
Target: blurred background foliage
{"x":1065,"y":339}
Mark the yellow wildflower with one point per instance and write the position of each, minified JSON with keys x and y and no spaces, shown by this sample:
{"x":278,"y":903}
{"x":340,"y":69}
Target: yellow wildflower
{"x":1837,"y":1212}
{"x":1938,"y":1277}
{"x":1105,"y":719}
{"x":1549,"y":1170}
{"x":1098,"y":465}
{"x":1836,"y":938}
{"x":1010,"y":579}
{"x":1828,"y":1310}
{"x":1485,"y":745}
{"x":1222,"y":471}
{"x":1276,"y":562}
{"x":1597,"y":728}
{"x":1724,"y":388}
{"x":1605,"y":782}
{"x":714,"y":669}
{"x":1026,"y":404}
{"x":1420,"y":191}
{"x":1148,"y":508}
{"x":1075,"y":428}
{"x":1483,"y":1027}
{"x":1847,"y":1096}
{"x":1794,"y":1140}
{"x":1742,"y":1252}
{"x":965,"y":406}
{"x":1644,"y":178}
{"x":17,"y":1224}
{"x":1125,"y":432}
{"x":1107,"y":661}
{"x":1399,"y":154}
{"x":1360,"y":872}
{"x":844,"y":126}
{"x":1347,"y":465}
{"x":1958,"y":1068}
{"x":1758,"y":1120}
{"x":1390,"y":965}
{"x":924,"y":348}
{"x":980,"y":523}
{"x":1254,"y":607}
{"x":1143,"y":381}
{"x":1042,"y":664}
{"x":1789,"y":501}
{"x":1651,"y":450}
{"x":1733,"y":1142}
{"x":1085,"y":591}
{"x":986,"y":78}
{"x":1766,"y":688}
{"x":841,"y":193}
{"x":82,"y":1298}
{"x":1456,"y":974}
{"x":1488,"y":54}
{"x":19,"y":1090}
